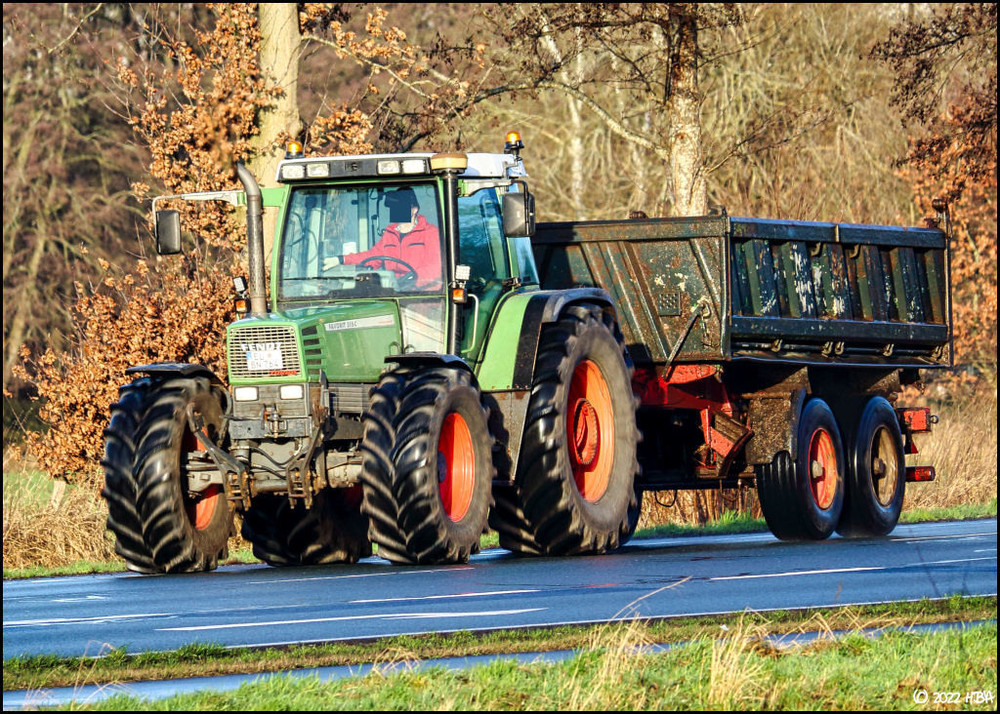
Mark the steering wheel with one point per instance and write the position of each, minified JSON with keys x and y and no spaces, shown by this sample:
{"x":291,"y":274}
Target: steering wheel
{"x":409,"y":275}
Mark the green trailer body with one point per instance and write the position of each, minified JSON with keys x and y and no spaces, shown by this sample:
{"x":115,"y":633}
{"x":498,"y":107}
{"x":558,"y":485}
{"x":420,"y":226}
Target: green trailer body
{"x":721,"y":289}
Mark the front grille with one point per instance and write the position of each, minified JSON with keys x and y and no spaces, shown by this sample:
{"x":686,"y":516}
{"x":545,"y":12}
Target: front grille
{"x":349,"y":398}
{"x":256,"y":352}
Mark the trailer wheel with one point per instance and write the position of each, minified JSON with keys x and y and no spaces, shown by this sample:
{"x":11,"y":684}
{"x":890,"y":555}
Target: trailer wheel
{"x":576,"y":471}
{"x":120,"y":490}
{"x":429,"y":495}
{"x":802,"y":499}
{"x":184,"y":531}
{"x":331,"y":531}
{"x":875,"y":474}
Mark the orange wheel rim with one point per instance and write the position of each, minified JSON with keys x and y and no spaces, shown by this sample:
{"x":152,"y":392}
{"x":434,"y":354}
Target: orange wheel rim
{"x":590,"y":430}
{"x":204,"y":508}
{"x":823,"y":474}
{"x":456,"y":467}
{"x":201,"y":508}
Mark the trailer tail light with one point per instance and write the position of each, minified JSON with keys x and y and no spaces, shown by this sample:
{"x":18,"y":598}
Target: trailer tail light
{"x":920,"y":474}
{"x":917,"y":419}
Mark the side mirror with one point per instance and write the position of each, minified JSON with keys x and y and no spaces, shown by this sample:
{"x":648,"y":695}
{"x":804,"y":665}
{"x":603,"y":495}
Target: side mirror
{"x":168,"y":232}
{"x":519,"y":214}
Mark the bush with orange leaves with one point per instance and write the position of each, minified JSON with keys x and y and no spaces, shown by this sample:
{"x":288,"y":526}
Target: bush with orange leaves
{"x":198,"y":114}
{"x":973,"y":256}
{"x":175,"y":312}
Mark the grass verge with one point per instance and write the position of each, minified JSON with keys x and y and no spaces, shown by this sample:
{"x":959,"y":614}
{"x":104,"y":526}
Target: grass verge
{"x":207,"y":660}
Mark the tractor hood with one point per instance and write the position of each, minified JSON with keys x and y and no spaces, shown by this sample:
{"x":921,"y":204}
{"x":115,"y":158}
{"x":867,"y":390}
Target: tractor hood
{"x":347,"y":341}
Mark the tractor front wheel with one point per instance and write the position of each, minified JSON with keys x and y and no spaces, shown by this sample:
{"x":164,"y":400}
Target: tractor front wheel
{"x":120,"y":489}
{"x":185,"y":530}
{"x":428,"y":494}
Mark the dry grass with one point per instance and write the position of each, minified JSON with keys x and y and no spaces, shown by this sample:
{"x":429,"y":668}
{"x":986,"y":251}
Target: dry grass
{"x":963,"y":448}
{"x":52,"y":532}
{"x":735,"y":674}
{"x":56,"y":527}
{"x":598,"y":687}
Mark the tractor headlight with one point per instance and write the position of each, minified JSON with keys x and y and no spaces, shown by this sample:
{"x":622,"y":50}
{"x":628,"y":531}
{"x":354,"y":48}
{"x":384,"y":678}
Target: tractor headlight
{"x":245,"y":394}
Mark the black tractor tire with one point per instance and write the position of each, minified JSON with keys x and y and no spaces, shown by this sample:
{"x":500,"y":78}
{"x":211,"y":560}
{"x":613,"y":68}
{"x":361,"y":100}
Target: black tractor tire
{"x":332,"y":530}
{"x":803,"y":498}
{"x":577,"y":467}
{"x":634,"y":513}
{"x":508,"y":520}
{"x":120,"y":489}
{"x":184,"y":533}
{"x":876,"y":472}
{"x":378,"y":471}
{"x":428,"y":496}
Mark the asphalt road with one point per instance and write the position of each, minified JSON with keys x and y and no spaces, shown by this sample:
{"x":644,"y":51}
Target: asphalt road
{"x":257,"y":605}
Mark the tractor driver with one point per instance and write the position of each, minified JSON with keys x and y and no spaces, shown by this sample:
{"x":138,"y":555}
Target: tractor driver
{"x":408,"y":237}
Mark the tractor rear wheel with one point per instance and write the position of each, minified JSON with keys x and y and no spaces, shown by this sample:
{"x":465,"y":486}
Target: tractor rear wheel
{"x":802,"y":498}
{"x":185,"y":530}
{"x":120,"y":490}
{"x":428,"y":496}
{"x":577,"y":467}
{"x":876,"y":473}
{"x":332,"y":530}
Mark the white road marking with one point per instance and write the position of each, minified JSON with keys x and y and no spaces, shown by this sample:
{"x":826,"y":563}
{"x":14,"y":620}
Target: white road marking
{"x":81,"y":620}
{"x":348,"y":618}
{"x":351,"y":576}
{"x":956,"y":536}
{"x":86,"y":598}
{"x":795,"y":573}
{"x":443,"y":597}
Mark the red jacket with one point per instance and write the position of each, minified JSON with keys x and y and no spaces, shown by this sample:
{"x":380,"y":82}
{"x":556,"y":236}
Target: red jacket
{"x":420,"y":248}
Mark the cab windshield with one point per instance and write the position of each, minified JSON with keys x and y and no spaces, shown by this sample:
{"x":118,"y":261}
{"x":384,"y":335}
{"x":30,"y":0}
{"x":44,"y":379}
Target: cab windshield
{"x":361,"y":241}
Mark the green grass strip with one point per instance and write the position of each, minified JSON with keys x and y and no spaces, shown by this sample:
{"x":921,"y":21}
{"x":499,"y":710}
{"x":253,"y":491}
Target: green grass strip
{"x":207,"y":659}
{"x":737,"y":672}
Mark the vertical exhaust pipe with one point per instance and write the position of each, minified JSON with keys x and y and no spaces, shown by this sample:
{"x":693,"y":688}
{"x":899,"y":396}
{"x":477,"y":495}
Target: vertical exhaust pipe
{"x":255,"y":241}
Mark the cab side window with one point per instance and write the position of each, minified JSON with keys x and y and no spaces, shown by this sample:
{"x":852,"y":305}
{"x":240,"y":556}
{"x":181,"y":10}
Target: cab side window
{"x":481,"y":243}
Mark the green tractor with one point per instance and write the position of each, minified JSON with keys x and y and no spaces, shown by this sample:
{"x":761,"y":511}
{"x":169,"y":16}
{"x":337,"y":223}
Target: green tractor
{"x":409,"y":383}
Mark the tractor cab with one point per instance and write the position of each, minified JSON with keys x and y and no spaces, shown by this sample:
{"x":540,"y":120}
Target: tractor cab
{"x":416,"y":250}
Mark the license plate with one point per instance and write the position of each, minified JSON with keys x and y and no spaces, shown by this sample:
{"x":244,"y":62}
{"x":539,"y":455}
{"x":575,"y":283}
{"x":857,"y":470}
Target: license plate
{"x":264,"y":360}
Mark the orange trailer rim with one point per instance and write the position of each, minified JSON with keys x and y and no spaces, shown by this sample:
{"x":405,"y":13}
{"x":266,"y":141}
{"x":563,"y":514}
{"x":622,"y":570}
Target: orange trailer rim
{"x":823,"y":474}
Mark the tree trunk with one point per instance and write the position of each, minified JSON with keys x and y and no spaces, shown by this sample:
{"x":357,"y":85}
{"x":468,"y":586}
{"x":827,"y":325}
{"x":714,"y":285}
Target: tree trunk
{"x":690,"y":191}
{"x":24,"y":302}
{"x":280,"y":50}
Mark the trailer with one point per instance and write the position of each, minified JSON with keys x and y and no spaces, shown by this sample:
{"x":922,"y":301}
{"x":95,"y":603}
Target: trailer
{"x":772,"y":353}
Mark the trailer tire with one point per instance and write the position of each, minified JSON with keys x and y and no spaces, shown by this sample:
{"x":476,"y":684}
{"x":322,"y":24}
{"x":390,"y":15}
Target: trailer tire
{"x":184,"y":533}
{"x":330,"y":531}
{"x":802,"y":498}
{"x":577,"y":468}
{"x":876,"y":473}
{"x":429,"y":497}
{"x":120,"y":489}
